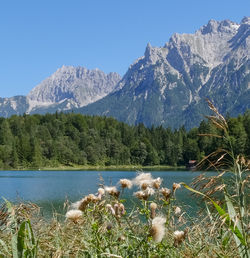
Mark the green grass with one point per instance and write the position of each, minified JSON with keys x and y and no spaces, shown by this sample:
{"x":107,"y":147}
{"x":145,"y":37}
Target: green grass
{"x":100,"y":167}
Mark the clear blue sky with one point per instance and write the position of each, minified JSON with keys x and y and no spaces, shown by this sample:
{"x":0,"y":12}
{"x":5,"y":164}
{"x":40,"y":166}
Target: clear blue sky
{"x":39,"y":36}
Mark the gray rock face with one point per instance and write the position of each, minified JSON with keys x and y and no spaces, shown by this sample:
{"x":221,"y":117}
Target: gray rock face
{"x":69,"y":87}
{"x":168,"y":85}
{"x":17,"y":105}
{"x":78,"y":85}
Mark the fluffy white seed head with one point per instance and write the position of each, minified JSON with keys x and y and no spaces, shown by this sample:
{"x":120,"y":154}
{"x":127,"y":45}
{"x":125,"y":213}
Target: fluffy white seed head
{"x":142,"y":177}
{"x":153,"y":206}
{"x":101,"y":191}
{"x":145,"y":184}
{"x":112,"y":190}
{"x":149,"y":191}
{"x":143,"y":180}
{"x":91,"y":198}
{"x":75,"y":205}
{"x":176,"y":186}
{"x":157,"y":230}
{"x":82,"y":204}
{"x":74,"y":215}
{"x":177,"y":210}
{"x":126,"y":183}
{"x":157,"y":183}
{"x":144,"y":195}
{"x":140,"y":195}
{"x":165,"y":192}
{"x":179,"y":236}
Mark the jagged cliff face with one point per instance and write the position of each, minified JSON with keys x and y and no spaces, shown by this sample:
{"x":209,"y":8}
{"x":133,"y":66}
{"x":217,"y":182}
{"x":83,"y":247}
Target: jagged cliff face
{"x":74,"y":86}
{"x":168,"y":85}
{"x":17,"y":105}
{"x":69,"y":87}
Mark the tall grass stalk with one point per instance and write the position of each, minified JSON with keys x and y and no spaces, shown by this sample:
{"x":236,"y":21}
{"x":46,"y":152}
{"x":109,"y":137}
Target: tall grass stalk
{"x":235,"y":216}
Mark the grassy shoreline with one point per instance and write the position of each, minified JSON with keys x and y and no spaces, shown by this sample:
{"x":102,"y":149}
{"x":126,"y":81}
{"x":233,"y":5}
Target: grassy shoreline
{"x":100,"y":167}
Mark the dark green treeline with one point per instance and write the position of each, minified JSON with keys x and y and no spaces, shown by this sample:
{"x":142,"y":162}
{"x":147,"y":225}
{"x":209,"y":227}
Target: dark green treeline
{"x":51,"y":140}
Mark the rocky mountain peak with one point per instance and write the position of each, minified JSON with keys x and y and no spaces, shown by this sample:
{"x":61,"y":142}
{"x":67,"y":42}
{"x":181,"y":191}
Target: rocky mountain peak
{"x":148,"y":51}
{"x":245,"y":20}
{"x":152,"y":54}
{"x":167,"y":86}
{"x":225,"y":26}
{"x":209,"y":45}
{"x":78,"y":84}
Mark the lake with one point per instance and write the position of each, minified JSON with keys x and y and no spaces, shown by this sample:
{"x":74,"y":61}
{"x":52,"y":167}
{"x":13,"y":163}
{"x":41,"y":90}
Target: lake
{"x":50,"y":189}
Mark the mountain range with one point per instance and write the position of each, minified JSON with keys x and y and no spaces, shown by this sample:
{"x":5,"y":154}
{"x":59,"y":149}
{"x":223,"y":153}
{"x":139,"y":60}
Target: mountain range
{"x":69,"y":87}
{"x":167,"y":86}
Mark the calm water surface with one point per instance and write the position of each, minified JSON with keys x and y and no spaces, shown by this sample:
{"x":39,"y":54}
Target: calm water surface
{"x":50,"y":189}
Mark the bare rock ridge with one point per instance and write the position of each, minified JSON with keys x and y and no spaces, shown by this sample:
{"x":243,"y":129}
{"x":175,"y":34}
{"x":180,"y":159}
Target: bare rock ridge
{"x":77,"y":86}
{"x":167,"y":86}
{"x":69,"y":87}
{"x":13,"y":106}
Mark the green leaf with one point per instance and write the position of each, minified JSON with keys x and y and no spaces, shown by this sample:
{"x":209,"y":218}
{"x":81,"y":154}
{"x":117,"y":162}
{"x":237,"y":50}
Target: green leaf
{"x":30,"y":233}
{"x":232,"y":215}
{"x":209,"y":213}
{"x":21,"y":239}
{"x":230,"y":223}
{"x":14,"y":246}
{"x":26,"y":244}
{"x":225,"y":241}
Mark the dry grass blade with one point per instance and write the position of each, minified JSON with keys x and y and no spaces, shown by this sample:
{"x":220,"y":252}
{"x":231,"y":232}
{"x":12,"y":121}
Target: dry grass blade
{"x":216,"y":122}
{"x":3,"y":215}
{"x":215,"y":160}
{"x":221,"y":174}
{"x":211,"y":106}
{"x":220,"y":158}
{"x":221,"y":121}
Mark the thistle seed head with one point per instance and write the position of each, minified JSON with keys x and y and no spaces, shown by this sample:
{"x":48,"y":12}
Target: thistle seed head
{"x":112,"y":190}
{"x":74,"y":215}
{"x":157,"y":183}
{"x":157,"y":230}
{"x":179,"y":236}
{"x":126,"y":183}
{"x":176,"y":186}
{"x":101,"y":191}
{"x":177,"y":210}
{"x":165,"y":192}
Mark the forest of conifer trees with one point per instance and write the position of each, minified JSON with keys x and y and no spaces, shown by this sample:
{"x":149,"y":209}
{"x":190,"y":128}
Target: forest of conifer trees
{"x":52,"y":140}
